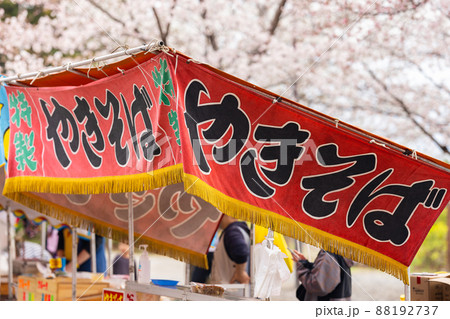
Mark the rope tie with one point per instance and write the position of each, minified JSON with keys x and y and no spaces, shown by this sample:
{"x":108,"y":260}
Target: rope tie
{"x":414,"y":154}
{"x":176,"y":63}
{"x":157,"y":45}
{"x":147,"y":47}
{"x":336,"y":121}
{"x":378,"y":143}
{"x":121,"y":70}
{"x":192,"y":60}
{"x":37,"y":75}
{"x":100,"y":67}
{"x":130,"y":54}
{"x":90,"y":66}
{"x":124,"y":46}
{"x":151,"y":46}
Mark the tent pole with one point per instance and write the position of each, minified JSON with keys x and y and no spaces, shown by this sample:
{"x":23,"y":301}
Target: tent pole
{"x":110,"y":261}
{"x":10,"y":254}
{"x":74,"y":263}
{"x":131,"y":235}
{"x":249,"y":292}
{"x":298,"y":245}
{"x":43,"y":238}
{"x":152,"y":46}
{"x":407,"y":287}
{"x":187,"y":273}
{"x":93,"y":253}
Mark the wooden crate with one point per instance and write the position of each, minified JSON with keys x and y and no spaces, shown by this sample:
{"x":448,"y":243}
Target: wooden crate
{"x":26,"y":288}
{"x":60,"y":289}
{"x":4,"y":286}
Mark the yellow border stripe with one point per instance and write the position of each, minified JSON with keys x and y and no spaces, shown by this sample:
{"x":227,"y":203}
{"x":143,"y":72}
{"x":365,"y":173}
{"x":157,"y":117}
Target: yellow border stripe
{"x":192,"y":184}
{"x":95,"y":185}
{"x":294,"y":229}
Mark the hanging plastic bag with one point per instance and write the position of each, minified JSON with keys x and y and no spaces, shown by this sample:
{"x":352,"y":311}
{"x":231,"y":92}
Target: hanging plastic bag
{"x":270,"y":269}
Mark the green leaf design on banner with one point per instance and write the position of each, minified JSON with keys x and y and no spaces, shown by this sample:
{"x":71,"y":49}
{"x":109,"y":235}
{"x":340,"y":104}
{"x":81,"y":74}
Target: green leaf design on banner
{"x":173,"y":121}
{"x":163,"y":79}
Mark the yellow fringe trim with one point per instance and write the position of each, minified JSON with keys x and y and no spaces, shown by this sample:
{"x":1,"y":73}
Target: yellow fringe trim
{"x":294,"y":229}
{"x":16,"y":186}
{"x":95,"y":185}
{"x":75,"y":219}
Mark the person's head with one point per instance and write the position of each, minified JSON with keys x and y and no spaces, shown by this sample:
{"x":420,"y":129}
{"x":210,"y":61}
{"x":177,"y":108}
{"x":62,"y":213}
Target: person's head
{"x":124,"y":249}
{"x":27,"y":230}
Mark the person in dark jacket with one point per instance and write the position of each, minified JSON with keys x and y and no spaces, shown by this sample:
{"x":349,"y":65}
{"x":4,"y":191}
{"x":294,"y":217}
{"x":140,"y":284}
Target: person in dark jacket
{"x":231,"y":256}
{"x":83,"y":251}
{"x":121,"y":263}
{"x":327,"y":279}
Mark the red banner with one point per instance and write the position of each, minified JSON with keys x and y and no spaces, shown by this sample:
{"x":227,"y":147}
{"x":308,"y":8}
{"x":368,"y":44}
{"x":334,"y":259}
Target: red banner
{"x":171,"y":221}
{"x":252,"y":155}
{"x":122,"y":126}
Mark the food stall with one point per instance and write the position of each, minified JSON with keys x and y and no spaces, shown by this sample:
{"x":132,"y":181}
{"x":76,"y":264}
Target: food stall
{"x":28,"y":279}
{"x":160,"y":118}
{"x":35,"y":288}
{"x":146,"y":214}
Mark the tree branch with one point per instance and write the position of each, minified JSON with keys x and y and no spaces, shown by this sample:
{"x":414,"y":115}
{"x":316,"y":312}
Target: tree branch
{"x":109,"y":15}
{"x":162,"y":33}
{"x":210,"y":36}
{"x":425,"y":75}
{"x":95,"y":4}
{"x":277,"y":16}
{"x":405,"y":109}
{"x":389,"y":12}
{"x":273,"y":27}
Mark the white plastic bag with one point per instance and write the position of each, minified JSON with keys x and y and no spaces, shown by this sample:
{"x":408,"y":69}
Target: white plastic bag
{"x":270,"y":270}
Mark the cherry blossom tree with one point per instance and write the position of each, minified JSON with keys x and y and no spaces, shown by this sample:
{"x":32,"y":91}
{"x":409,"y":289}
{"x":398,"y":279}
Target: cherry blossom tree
{"x":380,"y":65}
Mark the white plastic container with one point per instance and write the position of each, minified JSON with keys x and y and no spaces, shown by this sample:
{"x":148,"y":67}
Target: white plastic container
{"x":143,"y":276}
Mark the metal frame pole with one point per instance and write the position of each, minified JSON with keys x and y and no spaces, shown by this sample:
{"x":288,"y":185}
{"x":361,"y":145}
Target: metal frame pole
{"x":298,"y":245}
{"x":74,"y":263}
{"x":187,"y":273}
{"x":110,"y":261}
{"x":131,"y":236}
{"x":43,"y":238}
{"x":407,"y":287}
{"x":251,"y":285}
{"x":152,"y":46}
{"x":93,"y":253}
{"x":10,"y":254}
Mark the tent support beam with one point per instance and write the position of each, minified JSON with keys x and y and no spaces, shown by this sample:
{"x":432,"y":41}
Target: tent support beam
{"x":251,"y":286}
{"x":110,"y":260}
{"x":43,"y":238}
{"x":93,"y":253}
{"x":407,"y":287}
{"x":152,"y":46}
{"x":10,"y":253}
{"x":74,"y":263}
{"x":131,"y":236}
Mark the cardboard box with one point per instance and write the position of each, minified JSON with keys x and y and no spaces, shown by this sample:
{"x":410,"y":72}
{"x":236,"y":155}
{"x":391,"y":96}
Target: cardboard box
{"x":446,"y":293}
{"x":427,"y":287}
{"x":440,"y":288}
